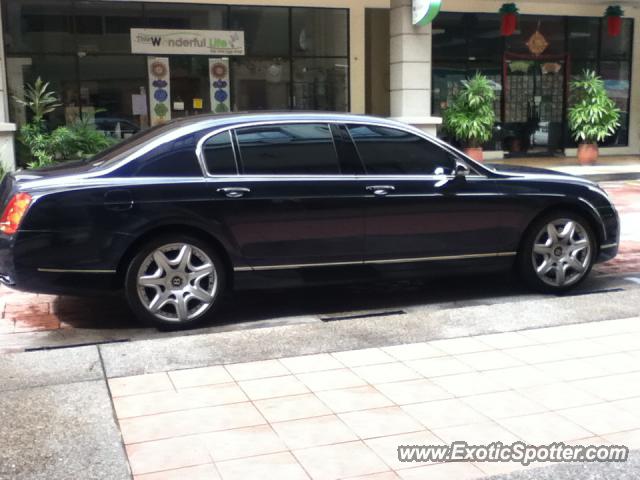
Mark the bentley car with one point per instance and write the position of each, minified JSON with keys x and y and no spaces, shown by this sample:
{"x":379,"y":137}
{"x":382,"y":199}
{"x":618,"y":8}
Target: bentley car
{"x":180,"y":213}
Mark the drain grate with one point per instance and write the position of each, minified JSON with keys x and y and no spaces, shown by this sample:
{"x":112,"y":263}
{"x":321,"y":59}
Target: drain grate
{"x":593,"y":292}
{"x":354,"y":316}
{"x":74,"y":345}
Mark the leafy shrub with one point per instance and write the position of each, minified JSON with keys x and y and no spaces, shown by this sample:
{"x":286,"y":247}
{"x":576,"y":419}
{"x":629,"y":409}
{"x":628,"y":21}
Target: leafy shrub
{"x":470,"y":117}
{"x":74,"y":142}
{"x":593,"y":116}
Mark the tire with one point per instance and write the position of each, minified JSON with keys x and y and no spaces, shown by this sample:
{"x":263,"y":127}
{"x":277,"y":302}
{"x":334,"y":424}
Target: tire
{"x":168,"y":269}
{"x":556,"y":265}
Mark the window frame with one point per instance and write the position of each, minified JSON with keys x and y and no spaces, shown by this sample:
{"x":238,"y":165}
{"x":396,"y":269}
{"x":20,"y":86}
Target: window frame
{"x":202,"y":159}
{"x":475,"y":173}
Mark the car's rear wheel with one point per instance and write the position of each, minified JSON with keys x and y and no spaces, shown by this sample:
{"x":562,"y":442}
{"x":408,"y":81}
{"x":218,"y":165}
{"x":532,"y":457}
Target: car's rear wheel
{"x":175,"y":282}
{"x":557,"y":252}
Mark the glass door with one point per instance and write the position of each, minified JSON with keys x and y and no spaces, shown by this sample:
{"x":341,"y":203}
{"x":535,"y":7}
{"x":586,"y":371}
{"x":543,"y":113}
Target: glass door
{"x":534,"y":105}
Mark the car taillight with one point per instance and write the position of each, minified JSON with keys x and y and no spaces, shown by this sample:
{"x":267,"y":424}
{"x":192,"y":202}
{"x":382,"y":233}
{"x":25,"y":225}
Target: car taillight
{"x":14,"y":212}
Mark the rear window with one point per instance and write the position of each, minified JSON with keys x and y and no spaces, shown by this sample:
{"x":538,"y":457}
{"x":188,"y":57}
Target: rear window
{"x":288,"y":149}
{"x":172,"y":159}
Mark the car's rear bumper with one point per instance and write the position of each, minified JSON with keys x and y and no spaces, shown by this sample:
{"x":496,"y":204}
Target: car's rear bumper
{"x":17,"y":270}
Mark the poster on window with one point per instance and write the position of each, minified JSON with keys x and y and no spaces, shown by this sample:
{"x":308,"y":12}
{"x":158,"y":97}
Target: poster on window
{"x":219,"y":85}
{"x":159,"y":90}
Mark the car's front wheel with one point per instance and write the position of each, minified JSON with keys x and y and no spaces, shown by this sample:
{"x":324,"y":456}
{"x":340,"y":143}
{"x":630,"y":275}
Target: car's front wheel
{"x":175,"y":281}
{"x":558,"y":252}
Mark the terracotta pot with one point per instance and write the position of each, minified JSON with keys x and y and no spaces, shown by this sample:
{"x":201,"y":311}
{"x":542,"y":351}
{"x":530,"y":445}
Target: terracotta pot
{"x":587,"y":153}
{"x":475,"y":153}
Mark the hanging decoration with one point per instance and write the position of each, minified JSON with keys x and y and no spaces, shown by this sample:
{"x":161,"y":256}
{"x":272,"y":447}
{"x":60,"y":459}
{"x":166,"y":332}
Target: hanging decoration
{"x":509,"y":21}
{"x":219,"y":84}
{"x":159,"y":89}
{"x":537,"y":44}
{"x":425,"y":11}
{"x":614,"y":15}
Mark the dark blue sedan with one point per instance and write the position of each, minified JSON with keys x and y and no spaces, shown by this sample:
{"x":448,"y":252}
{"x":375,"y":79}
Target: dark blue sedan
{"x":176,"y":215}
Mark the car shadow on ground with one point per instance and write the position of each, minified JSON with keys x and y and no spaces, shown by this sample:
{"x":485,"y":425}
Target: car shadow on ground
{"x":245,"y":308}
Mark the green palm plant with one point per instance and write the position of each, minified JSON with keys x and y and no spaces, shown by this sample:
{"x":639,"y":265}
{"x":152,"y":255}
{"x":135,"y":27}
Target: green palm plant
{"x":593,"y":116}
{"x":471,"y":116}
{"x":39,"y":99}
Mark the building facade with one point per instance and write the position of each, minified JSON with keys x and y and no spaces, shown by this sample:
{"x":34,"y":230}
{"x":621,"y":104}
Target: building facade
{"x":129,"y":64}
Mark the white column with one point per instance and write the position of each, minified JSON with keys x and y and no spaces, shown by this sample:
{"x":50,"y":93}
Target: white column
{"x":7,"y":129}
{"x":410,"y":62}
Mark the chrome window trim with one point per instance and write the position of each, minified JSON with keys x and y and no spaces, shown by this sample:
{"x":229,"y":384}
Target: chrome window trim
{"x":406,"y":129}
{"x":258,"y":268}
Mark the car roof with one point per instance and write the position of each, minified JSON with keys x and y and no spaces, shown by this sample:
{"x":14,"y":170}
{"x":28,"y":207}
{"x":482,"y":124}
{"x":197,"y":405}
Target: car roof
{"x":228,"y":119}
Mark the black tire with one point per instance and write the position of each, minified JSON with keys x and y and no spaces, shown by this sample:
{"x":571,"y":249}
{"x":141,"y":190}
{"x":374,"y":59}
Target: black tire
{"x":525,"y":260}
{"x":216,"y":283}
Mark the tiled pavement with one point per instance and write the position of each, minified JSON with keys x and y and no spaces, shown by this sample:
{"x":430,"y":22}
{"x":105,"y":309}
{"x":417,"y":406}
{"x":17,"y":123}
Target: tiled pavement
{"x":342,"y":415}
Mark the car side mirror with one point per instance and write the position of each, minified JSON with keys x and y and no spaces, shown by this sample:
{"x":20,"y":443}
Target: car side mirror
{"x":461,"y":170}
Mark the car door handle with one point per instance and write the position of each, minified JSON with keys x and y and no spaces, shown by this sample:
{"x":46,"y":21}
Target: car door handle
{"x":234,"y":192}
{"x":381,"y":190}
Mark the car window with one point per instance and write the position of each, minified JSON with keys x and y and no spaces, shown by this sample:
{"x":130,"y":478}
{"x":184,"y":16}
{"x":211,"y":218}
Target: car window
{"x":288,"y":149}
{"x":172,"y":159}
{"x":218,"y":154}
{"x":390,"y":151}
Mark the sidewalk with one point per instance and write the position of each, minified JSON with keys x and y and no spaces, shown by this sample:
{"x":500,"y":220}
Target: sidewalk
{"x":608,"y":168}
{"x":331,"y":400}
{"x":343,"y":415}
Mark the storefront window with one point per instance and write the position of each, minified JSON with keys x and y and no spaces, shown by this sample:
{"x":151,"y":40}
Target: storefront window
{"x":309,"y":27}
{"x":449,"y":37}
{"x":38,"y":26}
{"x":583,"y":37}
{"x":266,"y":29}
{"x":58,"y":70}
{"x":107,"y":83}
{"x":185,"y":16}
{"x":552,"y":29}
{"x":533,"y":83}
{"x":260,"y":84}
{"x":320,"y":84}
{"x":616,"y":77}
{"x":106,"y":30}
{"x":295,"y":58}
{"x":617,"y":48}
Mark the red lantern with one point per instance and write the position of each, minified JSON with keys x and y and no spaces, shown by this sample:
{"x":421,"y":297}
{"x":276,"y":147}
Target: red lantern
{"x":509,"y":22}
{"x":614,"y":20}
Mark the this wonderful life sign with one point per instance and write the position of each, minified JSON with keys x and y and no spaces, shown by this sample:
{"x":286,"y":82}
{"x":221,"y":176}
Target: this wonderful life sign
{"x":187,"y":42}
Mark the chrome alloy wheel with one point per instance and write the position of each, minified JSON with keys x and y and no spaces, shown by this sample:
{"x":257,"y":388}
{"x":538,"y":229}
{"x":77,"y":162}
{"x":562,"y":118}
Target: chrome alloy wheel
{"x":561,"y":252}
{"x":177,"y":282}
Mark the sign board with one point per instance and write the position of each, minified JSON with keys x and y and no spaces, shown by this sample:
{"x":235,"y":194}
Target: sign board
{"x":424,"y":11}
{"x":219,"y":88}
{"x":159,"y":89}
{"x":155,"y":41}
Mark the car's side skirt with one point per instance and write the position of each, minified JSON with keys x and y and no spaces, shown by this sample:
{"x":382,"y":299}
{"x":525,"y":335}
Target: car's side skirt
{"x":376,"y":262}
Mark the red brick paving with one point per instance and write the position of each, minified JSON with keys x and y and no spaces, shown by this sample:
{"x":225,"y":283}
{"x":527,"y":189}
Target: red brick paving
{"x":28,"y":312}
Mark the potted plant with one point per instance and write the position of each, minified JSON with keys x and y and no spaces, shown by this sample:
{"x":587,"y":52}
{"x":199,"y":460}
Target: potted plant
{"x":470,"y":117}
{"x":593,"y":116}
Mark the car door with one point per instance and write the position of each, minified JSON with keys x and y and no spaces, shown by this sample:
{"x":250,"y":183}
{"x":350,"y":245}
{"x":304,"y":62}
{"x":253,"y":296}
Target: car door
{"x":416,"y":209}
{"x":291,"y":204}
